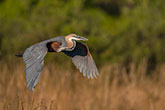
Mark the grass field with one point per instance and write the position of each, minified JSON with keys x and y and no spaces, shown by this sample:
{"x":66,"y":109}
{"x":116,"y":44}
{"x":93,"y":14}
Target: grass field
{"x":66,"y":89}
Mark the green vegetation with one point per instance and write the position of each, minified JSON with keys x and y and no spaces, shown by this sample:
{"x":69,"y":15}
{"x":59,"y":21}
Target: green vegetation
{"x":126,"y":39}
{"x":118,"y":31}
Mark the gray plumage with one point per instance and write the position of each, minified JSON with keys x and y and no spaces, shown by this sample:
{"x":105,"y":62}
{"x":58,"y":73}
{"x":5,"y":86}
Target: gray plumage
{"x":34,"y":57}
{"x":83,"y":60}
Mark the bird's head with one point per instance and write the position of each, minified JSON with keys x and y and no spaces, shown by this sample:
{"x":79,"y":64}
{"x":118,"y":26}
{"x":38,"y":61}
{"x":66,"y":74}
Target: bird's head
{"x":72,"y":37}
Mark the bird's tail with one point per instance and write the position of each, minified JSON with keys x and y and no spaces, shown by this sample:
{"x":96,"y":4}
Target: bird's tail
{"x":19,"y":55}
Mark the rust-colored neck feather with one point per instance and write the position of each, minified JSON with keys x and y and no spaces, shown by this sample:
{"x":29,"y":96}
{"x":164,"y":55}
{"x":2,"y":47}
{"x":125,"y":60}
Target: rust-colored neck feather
{"x":69,"y":42}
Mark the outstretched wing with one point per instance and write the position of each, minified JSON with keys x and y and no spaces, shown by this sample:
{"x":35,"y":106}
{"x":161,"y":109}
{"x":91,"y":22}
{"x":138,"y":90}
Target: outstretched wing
{"x":83,"y":60}
{"x":34,"y":60}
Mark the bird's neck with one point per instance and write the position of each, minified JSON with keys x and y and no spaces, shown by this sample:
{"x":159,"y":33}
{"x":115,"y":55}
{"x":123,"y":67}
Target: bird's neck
{"x":71,"y":45}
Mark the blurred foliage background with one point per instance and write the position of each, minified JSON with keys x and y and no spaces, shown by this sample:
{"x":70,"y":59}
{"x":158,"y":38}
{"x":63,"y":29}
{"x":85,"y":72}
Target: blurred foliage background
{"x":119,"y":31}
{"x":126,"y":39}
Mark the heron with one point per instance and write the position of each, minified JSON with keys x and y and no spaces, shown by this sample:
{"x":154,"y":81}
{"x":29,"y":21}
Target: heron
{"x":33,"y":57}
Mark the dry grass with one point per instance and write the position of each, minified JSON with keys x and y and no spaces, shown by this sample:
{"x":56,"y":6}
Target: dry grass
{"x":66,"y":89}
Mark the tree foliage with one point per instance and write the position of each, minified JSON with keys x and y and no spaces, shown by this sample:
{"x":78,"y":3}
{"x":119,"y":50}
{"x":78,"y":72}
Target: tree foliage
{"x":118,"y":31}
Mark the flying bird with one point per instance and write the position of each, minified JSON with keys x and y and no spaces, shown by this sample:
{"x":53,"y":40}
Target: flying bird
{"x":33,"y":57}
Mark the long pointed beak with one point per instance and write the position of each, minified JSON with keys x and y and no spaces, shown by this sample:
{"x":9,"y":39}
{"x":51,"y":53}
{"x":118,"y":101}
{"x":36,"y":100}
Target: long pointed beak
{"x":81,"y":38}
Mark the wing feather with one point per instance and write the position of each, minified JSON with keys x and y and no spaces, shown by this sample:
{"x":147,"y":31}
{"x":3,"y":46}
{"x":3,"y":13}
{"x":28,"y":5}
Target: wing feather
{"x":33,"y":58}
{"x":83,"y":60}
